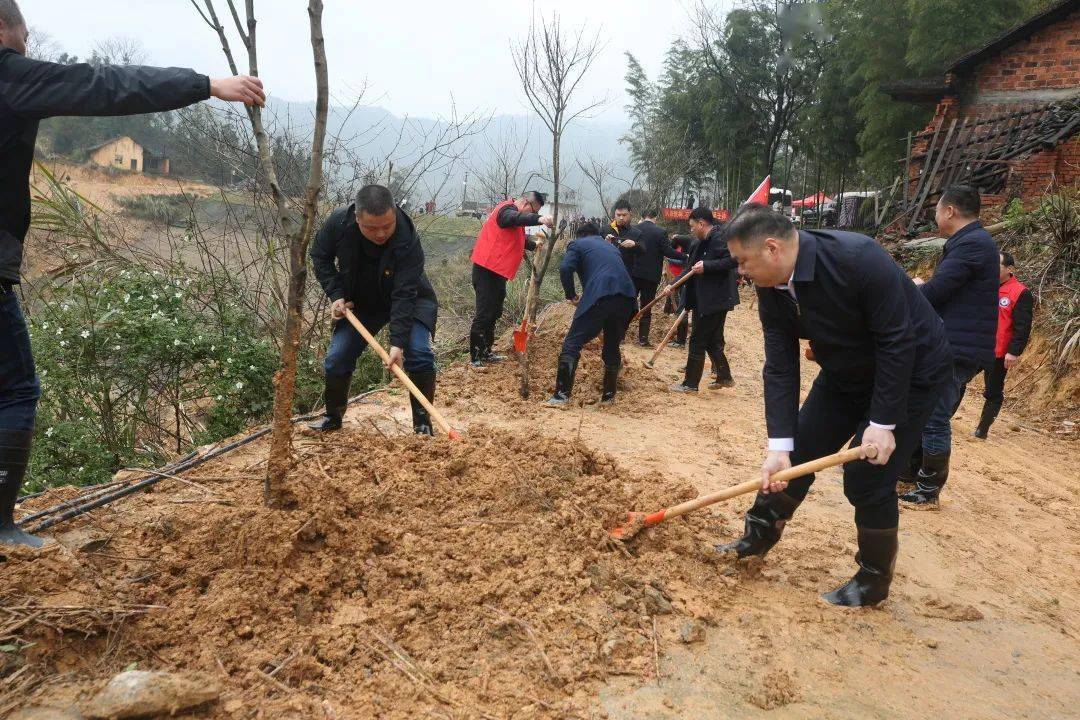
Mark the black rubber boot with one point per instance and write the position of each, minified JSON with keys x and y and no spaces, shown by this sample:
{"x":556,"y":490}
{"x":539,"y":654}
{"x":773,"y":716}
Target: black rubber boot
{"x":876,"y":559}
{"x":644,"y":326}
{"x":564,"y":382}
{"x":932,"y":476}
{"x":765,"y":521}
{"x":421,"y":420}
{"x":989,"y":414}
{"x":477,"y":346}
{"x":14,"y":457}
{"x":695,"y":365}
{"x":490,"y":356}
{"x":910,"y":475}
{"x":611,"y":381}
{"x":337,"y":399}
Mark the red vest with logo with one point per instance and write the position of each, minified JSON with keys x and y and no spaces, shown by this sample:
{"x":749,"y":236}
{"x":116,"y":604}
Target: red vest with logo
{"x":1008,"y":292}
{"x":499,"y":249}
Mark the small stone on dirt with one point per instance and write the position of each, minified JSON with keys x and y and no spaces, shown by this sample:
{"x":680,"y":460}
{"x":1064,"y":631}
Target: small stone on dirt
{"x":692,"y":631}
{"x":655,"y":602}
{"x":141,"y":693}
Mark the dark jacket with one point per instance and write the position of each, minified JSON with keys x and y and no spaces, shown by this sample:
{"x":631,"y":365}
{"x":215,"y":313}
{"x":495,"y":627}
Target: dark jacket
{"x":649,"y":264}
{"x":870,"y":328}
{"x":602,"y":272}
{"x":964,"y":291}
{"x":1021,"y":330}
{"x":716,"y":289}
{"x":31,"y":90}
{"x":629,"y":255}
{"x":401,"y":293}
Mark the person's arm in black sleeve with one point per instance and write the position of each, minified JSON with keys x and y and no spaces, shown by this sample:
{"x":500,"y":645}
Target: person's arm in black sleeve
{"x":567,"y":269}
{"x":510,"y":217}
{"x":781,"y":372}
{"x":324,"y":256}
{"x":951,"y":273}
{"x":36,"y":89}
{"x":888,"y":318}
{"x":1022,"y":315}
{"x":722,"y":262}
{"x":410,"y":266}
{"x":668,"y":250}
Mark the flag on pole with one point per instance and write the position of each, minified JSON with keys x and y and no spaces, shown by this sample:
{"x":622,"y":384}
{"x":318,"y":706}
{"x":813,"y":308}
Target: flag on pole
{"x":761,"y":195}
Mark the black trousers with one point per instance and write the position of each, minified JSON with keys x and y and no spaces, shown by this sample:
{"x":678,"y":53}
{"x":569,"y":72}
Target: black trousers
{"x":994,"y":379}
{"x":832,"y":414}
{"x":490,"y":289}
{"x":684,"y":326}
{"x":646,"y":293}
{"x":707,"y":337}
{"x":610,"y":315}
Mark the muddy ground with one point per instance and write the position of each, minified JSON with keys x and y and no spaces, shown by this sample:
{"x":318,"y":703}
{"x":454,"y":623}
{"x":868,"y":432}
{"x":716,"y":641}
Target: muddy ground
{"x":426,"y":578}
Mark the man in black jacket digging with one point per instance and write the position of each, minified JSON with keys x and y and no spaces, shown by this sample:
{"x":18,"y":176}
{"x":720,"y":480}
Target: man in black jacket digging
{"x":884,"y":361}
{"x":964,"y":291}
{"x":30,"y":91}
{"x":710,"y":296}
{"x":368,"y":258}
{"x":649,"y":265}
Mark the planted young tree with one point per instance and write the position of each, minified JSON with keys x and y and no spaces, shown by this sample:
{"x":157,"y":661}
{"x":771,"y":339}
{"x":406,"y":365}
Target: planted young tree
{"x":551,"y":62}
{"x":297,"y":233}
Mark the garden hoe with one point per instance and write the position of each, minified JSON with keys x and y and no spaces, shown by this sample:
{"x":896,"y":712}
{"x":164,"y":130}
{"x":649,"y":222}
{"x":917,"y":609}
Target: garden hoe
{"x":667,"y":338}
{"x":400,"y":373}
{"x":660,"y":296}
{"x":636,"y":521}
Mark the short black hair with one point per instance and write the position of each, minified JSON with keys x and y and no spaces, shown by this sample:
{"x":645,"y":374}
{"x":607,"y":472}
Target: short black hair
{"x":622,"y":205}
{"x":754,"y":222}
{"x":964,"y":198}
{"x":536,"y":196}
{"x":649,"y":213}
{"x":1007,"y":259}
{"x":10,"y":14}
{"x":374,"y":200}
{"x":702,"y":213}
{"x":586,"y":229}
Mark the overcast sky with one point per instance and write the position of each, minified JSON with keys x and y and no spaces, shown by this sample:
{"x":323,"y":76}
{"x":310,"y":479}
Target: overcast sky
{"x":413,"y":55}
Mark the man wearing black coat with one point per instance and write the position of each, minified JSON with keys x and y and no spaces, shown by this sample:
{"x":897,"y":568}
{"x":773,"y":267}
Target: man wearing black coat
{"x":648,"y":267}
{"x":368,"y":258}
{"x":605,"y":305}
{"x":710,"y":295}
{"x":624,"y":235}
{"x":964,"y":291}
{"x":884,"y":360}
{"x":30,"y":91}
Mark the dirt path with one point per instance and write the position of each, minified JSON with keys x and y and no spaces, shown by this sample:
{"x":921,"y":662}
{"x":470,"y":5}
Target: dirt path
{"x":982,"y":619}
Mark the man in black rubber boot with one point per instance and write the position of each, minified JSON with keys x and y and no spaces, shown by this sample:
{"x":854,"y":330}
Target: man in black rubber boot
{"x":648,"y":267}
{"x":368,"y":258}
{"x":710,"y":295}
{"x":31,"y":91}
{"x":606,"y":305}
{"x":964,"y":292}
{"x":884,"y":360}
{"x":1013,"y":330}
{"x":14,"y":457}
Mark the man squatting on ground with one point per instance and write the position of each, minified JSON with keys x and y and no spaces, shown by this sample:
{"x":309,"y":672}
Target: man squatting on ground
{"x":500,"y":248}
{"x":711,"y":294}
{"x":964,"y":292}
{"x":30,"y":91}
{"x":648,"y":265}
{"x":606,"y":305}
{"x":1013,"y":331}
{"x":884,"y":363}
{"x":368,"y":258}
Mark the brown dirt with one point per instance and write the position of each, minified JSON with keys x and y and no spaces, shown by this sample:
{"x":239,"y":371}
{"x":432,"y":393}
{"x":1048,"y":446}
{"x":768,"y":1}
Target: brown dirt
{"x":471,"y":579}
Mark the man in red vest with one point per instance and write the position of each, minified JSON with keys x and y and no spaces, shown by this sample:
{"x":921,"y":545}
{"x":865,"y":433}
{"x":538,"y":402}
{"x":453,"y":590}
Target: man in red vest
{"x":1013,"y":330}
{"x":500,"y":248}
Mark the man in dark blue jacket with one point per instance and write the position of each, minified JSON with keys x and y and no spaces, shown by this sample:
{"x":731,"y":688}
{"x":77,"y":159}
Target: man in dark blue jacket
{"x":368,"y":258}
{"x":649,"y":265}
{"x":884,"y":360}
{"x":964,"y":291}
{"x":30,"y":91}
{"x":710,"y":296}
{"x":605,"y":305}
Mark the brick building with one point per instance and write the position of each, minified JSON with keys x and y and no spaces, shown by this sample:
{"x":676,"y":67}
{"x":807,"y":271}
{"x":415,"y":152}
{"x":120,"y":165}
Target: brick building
{"x":1007,"y":117}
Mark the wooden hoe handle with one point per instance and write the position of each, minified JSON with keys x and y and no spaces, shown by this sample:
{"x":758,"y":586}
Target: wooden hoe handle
{"x":671,"y":288}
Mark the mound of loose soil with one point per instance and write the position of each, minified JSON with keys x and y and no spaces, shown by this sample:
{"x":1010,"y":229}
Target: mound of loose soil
{"x":467,"y":579}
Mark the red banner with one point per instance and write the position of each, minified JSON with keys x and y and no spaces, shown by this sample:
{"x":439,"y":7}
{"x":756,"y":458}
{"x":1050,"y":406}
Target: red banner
{"x":684,"y":214}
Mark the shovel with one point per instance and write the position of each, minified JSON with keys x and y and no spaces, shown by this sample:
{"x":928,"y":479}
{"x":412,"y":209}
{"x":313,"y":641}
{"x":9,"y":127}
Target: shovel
{"x":667,"y":338}
{"x":660,"y":296}
{"x":440,"y":421}
{"x":521,"y":335}
{"x":636,"y":521}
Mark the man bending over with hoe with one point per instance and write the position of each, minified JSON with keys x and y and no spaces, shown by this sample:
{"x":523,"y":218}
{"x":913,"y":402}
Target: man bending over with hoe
{"x":368,"y":259}
{"x":884,"y":362}
{"x":606,"y":304}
